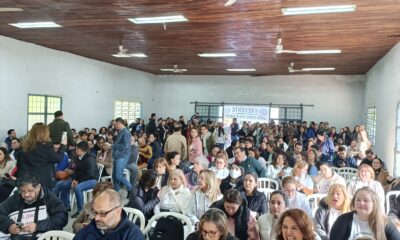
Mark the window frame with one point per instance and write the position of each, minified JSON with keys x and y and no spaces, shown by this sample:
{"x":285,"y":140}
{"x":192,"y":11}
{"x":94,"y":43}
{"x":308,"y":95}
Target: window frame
{"x":371,"y":130}
{"x":134,"y":114}
{"x":45,"y":113}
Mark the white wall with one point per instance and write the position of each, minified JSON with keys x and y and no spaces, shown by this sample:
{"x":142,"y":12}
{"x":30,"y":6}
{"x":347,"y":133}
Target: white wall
{"x":88,"y":87}
{"x":337,"y":99}
{"x":383,"y":91}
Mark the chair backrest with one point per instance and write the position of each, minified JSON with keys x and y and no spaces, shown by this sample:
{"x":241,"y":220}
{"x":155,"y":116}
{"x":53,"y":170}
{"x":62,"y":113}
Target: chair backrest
{"x":348,"y":175}
{"x":347,"y":170}
{"x":136,"y":216}
{"x":267,"y":183}
{"x":267,"y":192}
{"x":101,"y":168}
{"x":336,"y":169}
{"x":188,"y":224}
{"x":56,"y":235}
{"x":314,"y":200}
{"x":391,"y":198}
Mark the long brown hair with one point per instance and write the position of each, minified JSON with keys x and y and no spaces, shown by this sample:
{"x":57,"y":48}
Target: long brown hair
{"x":39,"y":133}
{"x":377,"y":219}
{"x":302,"y":220}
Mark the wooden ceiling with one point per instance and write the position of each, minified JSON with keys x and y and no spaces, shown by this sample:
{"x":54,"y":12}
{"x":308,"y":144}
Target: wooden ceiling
{"x":95,"y":28}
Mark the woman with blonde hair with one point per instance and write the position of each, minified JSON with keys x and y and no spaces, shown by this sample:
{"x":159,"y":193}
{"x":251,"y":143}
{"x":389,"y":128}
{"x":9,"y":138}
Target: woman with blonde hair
{"x":366,"y":176}
{"x":175,"y":197}
{"x":366,"y":221}
{"x":304,"y":182}
{"x":38,"y":155}
{"x":206,"y":194}
{"x":330,"y":208}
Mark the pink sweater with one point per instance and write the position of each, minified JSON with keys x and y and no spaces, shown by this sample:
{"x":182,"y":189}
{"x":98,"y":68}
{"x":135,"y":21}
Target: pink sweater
{"x":195,"y":149}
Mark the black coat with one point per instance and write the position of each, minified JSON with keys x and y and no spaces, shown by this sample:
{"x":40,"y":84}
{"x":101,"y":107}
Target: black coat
{"x":143,"y":201}
{"x":86,"y":168}
{"x":41,"y":161}
{"x":341,"y":229}
{"x":241,"y":217}
{"x":56,"y":211}
{"x":258,"y":202}
{"x":225,"y":184}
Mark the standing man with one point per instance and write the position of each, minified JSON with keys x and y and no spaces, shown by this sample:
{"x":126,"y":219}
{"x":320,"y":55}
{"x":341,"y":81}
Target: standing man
{"x":207,"y":139}
{"x":176,"y":142}
{"x":11,"y":134}
{"x":110,"y":220}
{"x":121,"y":151}
{"x":234,"y":129}
{"x":151,"y":126}
{"x":57,"y":127}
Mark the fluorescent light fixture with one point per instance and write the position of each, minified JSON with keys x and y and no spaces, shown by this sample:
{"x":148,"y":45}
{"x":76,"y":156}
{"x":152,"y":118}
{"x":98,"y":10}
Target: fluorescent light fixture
{"x":128,"y":55}
{"x":175,"y":70}
{"x":327,"y":51}
{"x":5,"y":9}
{"x":35,"y":25}
{"x":217,"y":55}
{"x":139,"y":55}
{"x":241,"y":70}
{"x":318,"y":69}
{"x":166,"y":19}
{"x":316,"y":10}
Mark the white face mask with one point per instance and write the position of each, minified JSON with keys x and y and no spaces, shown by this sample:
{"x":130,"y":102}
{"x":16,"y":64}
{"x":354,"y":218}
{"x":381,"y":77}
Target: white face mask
{"x":235,"y":173}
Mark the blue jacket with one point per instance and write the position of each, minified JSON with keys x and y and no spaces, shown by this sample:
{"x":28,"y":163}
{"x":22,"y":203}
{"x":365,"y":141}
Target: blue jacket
{"x":125,"y":230}
{"x":327,"y":150}
{"x":122,"y":146}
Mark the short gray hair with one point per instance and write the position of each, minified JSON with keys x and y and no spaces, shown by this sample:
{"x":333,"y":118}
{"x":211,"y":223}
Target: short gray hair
{"x":202,"y":161}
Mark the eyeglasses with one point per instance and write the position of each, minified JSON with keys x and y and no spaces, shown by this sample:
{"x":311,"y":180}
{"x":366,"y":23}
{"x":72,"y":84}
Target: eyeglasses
{"x":290,"y":190}
{"x":209,"y":233}
{"x":103,"y":214}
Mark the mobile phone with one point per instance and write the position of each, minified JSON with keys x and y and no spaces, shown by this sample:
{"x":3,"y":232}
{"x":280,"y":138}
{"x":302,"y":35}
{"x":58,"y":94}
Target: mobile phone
{"x":19,"y":224}
{"x":7,"y":175}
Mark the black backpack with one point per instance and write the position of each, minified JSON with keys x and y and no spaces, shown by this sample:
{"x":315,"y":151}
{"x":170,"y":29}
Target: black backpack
{"x":168,"y":228}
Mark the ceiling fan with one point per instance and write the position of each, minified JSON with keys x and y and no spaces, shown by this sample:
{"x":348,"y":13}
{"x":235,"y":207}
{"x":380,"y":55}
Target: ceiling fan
{"x":174,"y":70}
{"x":122,"y":53}
{"x":292,"y":70}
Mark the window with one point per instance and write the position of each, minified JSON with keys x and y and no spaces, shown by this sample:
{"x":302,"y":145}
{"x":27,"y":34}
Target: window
{"x":128,"y":110}
{"x":397,"y":147}
{"x":41,"y":108}
{"x":286,"y":114}
{"x":370,"y":123}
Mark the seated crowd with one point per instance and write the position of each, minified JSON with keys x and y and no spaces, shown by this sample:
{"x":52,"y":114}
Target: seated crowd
{"x":206,"y":171}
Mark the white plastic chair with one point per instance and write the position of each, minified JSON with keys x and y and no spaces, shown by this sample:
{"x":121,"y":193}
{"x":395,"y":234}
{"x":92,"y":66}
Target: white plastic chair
{"x":134,"y":215}
{"x":347,"y":170}
{"x":263,"y":183}
{"x":188,"y":228}
{"x":336,"y":169}
{"x":56,"y":235}
{"x":389,"y":195}
{"x":314,"y":200}
{"x":348,"y":175}
{"x":267,"y":192}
